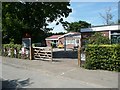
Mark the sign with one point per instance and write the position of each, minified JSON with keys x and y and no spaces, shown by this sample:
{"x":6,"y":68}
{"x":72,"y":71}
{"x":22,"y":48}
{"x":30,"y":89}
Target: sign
{"x":26,"y":42}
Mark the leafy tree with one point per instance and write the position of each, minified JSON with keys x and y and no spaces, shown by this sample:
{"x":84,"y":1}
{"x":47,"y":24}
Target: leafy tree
{"x":31,"y":17}
{"x":98,"y":38}
{"x":75,"y":26}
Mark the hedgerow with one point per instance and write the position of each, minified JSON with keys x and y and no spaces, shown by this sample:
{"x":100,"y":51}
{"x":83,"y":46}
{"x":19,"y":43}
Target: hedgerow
{"x":105,"y":57}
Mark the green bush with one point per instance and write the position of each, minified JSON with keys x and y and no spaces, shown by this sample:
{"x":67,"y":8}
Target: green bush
{"x":105,"y":57}
{"x":98,"y":38}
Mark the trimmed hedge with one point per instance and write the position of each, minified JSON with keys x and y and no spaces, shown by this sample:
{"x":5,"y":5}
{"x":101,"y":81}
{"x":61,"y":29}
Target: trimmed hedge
{"x":105,"y":57}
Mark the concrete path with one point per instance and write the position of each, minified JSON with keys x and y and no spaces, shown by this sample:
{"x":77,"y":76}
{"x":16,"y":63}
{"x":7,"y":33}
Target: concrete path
{"x":65,"y":72}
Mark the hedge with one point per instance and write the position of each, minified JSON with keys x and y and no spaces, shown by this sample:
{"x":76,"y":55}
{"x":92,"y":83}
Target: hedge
{"x":6,"y":47}
{"x":105,"y":57}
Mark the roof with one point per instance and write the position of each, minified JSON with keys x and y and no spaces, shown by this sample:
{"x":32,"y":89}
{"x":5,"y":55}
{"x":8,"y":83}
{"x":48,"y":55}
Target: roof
{"x":53,"y":37}
{"x":101,"y":28}
{"x":69,"y":34}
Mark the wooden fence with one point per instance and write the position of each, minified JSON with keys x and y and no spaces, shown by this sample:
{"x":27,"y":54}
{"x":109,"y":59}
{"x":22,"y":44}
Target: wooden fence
{"x":44,"y":53}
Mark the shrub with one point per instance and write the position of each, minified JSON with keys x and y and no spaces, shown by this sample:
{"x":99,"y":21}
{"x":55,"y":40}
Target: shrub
{"x":106,"y":57}
{"x":98,"y":38}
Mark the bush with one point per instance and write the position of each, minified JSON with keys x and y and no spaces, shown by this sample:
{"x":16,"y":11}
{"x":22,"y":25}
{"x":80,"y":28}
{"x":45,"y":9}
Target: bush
{"x":106,"y":57}
{"x":98,"y":38}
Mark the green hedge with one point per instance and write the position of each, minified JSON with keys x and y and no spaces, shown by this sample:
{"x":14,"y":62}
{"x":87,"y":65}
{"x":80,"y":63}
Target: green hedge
{"x":12,"y":46}
{"x":105,"y":57}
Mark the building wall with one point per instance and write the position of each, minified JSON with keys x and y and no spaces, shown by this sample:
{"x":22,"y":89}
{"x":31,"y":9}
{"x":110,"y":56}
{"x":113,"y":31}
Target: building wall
{"x":70,"y":42}
{"x":48,"y":43}
{"x":61,"y":41}
{"x":105,"y":33}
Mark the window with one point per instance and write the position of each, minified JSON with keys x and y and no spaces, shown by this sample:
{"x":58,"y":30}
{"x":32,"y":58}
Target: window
{"x":70,"y":41}
{"x":115,"y":37}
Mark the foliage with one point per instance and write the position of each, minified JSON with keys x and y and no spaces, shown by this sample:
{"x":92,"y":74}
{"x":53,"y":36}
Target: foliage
{"x":11,"y":46}
{"x":106,"y":57}
{"x":98,"y":38}
{"x":30,"y":17}
{"x":75,"y":26}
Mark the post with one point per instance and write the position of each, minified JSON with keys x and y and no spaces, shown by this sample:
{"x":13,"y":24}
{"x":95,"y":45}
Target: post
{"x":65,"y":43}
{"x":79,"y":56}
{"x":31,"y":53}
{"x":51,"y":54}
{"x":30,"y":48}
{"x":79,"y":52}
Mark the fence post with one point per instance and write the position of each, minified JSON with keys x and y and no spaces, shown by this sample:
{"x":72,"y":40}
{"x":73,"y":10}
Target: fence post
{"x":79,"y":56}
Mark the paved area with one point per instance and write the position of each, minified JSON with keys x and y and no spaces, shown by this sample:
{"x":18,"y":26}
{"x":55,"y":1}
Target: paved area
{"x":66,"y":71}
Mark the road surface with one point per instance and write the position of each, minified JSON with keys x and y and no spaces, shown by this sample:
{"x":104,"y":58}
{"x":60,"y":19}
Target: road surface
{"x":41,"y":74}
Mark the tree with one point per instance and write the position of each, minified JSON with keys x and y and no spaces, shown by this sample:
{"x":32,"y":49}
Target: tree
{"x":31,"y":17}
{"x":75,"y":26}
{"x":98,"y":38}
{"x":107,"y":17}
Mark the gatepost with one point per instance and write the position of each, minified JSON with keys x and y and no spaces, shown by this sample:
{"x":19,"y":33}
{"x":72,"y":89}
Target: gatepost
{"x":79,"y":53}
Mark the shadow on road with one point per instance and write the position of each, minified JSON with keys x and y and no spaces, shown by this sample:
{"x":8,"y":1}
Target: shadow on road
{"x":65,"y":54}
{"x":15,"y":84}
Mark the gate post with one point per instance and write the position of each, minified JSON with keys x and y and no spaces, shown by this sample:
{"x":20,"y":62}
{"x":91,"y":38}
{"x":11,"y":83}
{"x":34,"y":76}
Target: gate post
{"x":79,"y":56}
{"x":31,"y":53}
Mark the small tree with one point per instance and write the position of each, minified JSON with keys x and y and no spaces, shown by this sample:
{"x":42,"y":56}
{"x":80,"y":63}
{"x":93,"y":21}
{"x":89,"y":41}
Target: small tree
{"x":98,"y":38}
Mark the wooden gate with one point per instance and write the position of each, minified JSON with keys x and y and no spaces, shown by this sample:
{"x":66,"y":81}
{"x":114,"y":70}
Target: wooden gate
{"x":43,"y":53}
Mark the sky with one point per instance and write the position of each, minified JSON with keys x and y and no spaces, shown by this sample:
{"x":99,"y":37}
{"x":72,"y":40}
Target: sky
{"x":89,"y":12}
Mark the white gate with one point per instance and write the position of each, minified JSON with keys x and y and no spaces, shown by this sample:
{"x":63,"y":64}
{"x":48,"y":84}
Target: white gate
{"x":44,"y":53}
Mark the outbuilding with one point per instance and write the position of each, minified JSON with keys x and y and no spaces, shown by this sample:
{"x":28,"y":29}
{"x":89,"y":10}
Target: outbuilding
{"x":68,"y":40}
{"x":110,"y":31}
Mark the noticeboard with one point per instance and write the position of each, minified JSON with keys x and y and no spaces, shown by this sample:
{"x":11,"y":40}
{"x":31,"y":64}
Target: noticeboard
{"x":26,"y":42}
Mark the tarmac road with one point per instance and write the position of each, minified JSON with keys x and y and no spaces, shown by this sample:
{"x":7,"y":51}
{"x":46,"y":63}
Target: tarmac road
{"x":42,"y":74}
{"x":40,"y":79}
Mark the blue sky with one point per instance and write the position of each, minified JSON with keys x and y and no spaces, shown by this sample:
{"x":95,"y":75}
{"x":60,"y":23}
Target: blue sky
{"x":89,"y":12}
